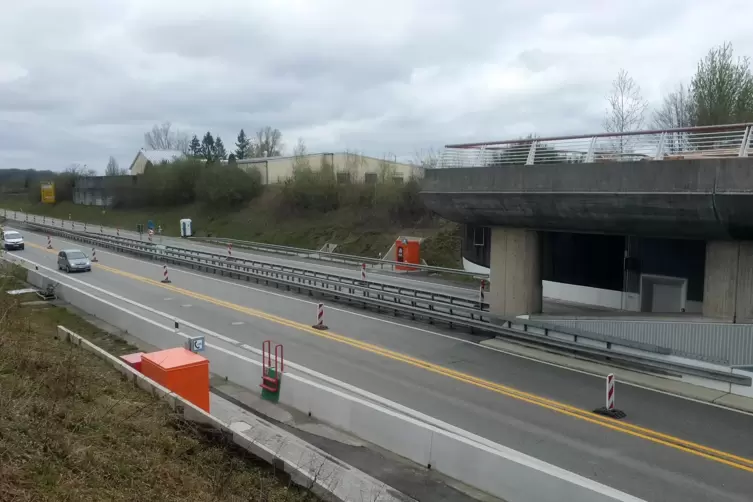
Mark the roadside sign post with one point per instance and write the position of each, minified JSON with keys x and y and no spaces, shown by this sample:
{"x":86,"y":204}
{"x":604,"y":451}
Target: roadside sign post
{"x":195,"y":344}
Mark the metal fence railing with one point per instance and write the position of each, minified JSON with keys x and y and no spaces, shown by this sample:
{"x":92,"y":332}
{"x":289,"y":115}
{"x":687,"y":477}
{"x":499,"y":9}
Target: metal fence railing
{"x":734,"y":140}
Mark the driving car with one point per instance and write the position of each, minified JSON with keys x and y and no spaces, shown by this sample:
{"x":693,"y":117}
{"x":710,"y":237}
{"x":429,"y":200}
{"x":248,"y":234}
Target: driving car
{"x":74,"y":260}
{"x":12,"y":240}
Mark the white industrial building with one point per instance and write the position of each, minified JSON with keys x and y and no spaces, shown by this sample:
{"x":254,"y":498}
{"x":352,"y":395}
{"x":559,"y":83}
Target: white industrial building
{"x":350,"y":167}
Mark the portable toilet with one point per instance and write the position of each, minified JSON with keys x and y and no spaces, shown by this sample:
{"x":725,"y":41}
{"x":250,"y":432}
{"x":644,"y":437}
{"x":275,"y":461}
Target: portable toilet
{"x":186,"y":228}
{"x":407,"y":251}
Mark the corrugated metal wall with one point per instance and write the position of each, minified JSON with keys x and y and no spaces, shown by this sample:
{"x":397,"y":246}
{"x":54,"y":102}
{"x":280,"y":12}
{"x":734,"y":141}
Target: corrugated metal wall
{"x":724,"y":343}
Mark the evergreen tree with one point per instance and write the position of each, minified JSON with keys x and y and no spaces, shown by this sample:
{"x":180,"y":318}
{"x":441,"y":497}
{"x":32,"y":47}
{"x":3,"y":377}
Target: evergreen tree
{"x":242,"y":146}
{"x":195,"y":147}
{"x":207,"y":147}
{"x":219,"y":149}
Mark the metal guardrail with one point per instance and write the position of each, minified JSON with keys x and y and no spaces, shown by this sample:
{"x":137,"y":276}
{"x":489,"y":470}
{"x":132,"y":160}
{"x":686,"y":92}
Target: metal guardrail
{"x":261,"y":271}
{"x":585,"y":344}
{"x":235,"y":262}
{"x":264,"y":247}
{"x":724,"y":141}
{"x":335,"y":257}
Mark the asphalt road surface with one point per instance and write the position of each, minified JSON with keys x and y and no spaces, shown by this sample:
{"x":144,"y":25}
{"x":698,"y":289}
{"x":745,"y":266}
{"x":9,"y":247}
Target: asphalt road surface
{"x":667,"y":449}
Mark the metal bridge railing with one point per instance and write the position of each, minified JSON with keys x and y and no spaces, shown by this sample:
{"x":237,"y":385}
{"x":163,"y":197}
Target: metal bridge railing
{"x":734,"y":140}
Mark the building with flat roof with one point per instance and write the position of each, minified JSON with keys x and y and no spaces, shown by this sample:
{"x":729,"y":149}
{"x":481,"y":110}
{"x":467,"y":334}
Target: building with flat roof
{"x":348,"y":167}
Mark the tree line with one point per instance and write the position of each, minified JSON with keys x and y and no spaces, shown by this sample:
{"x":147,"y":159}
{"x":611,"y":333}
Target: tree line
{"x":720,"y":92}
{"x":266,"y":142}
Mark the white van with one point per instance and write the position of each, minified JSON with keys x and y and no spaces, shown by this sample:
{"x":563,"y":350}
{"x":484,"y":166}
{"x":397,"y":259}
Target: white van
{"x":12,"y":240}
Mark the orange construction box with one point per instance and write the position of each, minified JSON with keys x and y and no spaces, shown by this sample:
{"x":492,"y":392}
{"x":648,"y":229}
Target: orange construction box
{"x":133,"y":360}
{"x":182,"y":371}
{"x":407,"y":252}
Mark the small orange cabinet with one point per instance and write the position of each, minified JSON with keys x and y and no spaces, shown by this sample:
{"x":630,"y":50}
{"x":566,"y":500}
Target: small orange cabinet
{"x":407,"y":251}
{"x":182,"y":371}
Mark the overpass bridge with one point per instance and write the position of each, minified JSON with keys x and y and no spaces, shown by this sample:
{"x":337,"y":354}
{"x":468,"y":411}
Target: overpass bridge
{"x":664,"y":218}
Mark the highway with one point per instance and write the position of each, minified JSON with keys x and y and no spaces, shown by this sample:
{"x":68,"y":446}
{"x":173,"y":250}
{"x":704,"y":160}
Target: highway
{"x":374,"y":273}
{"x":667,"y":449}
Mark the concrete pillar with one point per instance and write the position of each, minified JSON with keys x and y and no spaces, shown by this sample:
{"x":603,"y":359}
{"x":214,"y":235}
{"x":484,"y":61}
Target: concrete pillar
{"x":515,"y":271}
{"x":728,"y":281}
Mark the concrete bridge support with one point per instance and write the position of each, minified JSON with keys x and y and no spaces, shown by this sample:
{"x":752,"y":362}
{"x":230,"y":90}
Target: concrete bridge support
{"x":728,"y":281}
{"x":515,"y":271}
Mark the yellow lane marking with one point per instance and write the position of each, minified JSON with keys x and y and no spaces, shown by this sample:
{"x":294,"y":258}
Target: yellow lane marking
{"x":565,"y":409}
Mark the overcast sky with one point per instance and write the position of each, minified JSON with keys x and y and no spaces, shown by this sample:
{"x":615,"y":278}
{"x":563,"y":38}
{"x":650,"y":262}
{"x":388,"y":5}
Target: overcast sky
{"x":81,"y":80}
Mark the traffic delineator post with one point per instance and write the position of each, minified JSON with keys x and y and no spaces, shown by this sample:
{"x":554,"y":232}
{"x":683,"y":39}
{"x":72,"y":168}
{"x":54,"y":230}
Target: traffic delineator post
{"x":117,"y":231}
{"x":609,"y":408}
{"x":363,"y":272}
{"x":94,"y":255}
{"x":230,"y":251}
{"x":481,"y":293}
{"x":319,"y":324}
{"x":165,"y":277}
{"x":49,"y":242}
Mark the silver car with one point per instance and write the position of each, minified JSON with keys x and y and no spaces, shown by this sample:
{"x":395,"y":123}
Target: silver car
{"x":12,"y":240}
{"x":74,"y":260}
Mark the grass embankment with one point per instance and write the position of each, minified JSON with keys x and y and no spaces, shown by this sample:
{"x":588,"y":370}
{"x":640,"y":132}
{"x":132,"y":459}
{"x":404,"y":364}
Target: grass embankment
{"x":72,"y":429}
{"x":362,"y":231}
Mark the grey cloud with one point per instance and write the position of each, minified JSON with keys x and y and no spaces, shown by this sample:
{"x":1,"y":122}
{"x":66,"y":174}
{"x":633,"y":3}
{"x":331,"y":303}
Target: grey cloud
{"x":101,"y":73}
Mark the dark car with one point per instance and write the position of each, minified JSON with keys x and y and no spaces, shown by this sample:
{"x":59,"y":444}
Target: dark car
{"x":74,"y":260}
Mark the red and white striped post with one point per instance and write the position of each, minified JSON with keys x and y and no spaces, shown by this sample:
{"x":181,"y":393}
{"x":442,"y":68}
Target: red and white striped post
{"x":610,"y":392}
{"x":481,"y":293}
{"x":151,"y":232}
{"x":363,"y":272}
{"x":165,"y":277}
{"x":101,"y":230}
{"x":49,"y":242}
{"x":230,"y":251}
{"x":117,"y":231}
{"x":94,"y":255}
{"x":319,"y":317}
{"x":84,"y":226}
{"x":44,"y":220}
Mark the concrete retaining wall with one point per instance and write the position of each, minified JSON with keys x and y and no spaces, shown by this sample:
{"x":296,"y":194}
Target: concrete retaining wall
{"x":498,"y":470}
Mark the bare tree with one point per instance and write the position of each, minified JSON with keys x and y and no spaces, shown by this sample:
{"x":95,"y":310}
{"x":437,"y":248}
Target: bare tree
{"x":626,"y":109}
{"x":676,"y":111}
{"x":162,"y":137}
{"x":113,"y":169}
{"x":79,"y":171}
{"x":267,"y":143}
{"x":428,"y":159}
{"x":300,"y":156}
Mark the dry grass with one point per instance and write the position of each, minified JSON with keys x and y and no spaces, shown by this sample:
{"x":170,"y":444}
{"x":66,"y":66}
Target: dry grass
{"x":358,"y":230}
{"x":72,"y":429}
